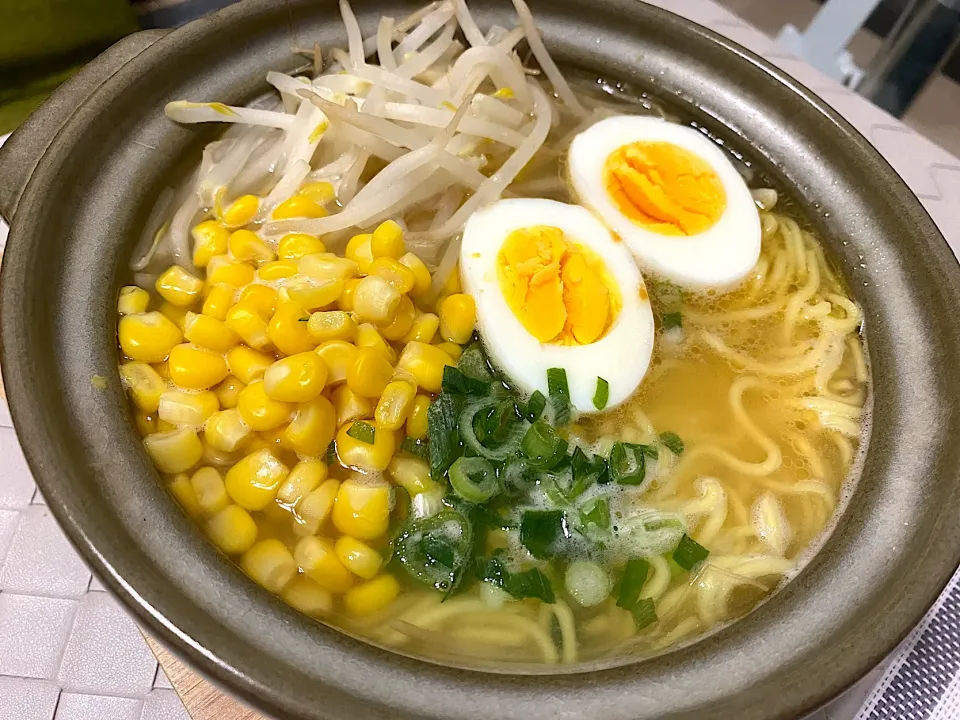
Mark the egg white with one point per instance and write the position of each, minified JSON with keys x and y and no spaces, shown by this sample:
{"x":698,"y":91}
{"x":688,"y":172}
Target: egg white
{"x":621,"y":356}
{"x":718,"y":258}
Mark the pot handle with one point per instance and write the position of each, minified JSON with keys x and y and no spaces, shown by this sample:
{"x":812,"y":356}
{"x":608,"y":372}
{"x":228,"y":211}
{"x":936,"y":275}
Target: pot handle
{"x":22,"y":151}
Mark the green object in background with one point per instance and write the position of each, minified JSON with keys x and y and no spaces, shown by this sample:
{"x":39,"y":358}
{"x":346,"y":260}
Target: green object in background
{"x":44,"y":42}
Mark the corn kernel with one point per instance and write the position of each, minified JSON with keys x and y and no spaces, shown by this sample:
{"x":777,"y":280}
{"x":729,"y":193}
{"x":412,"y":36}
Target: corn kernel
{"x":369,"y":373}
{"x":299,"y":206}
{"x":225,"y":430}
{"x":308,"y":597}
{"x":356,"y":453}
{"x":246,"y":246}
{"x":248,"y":365}
{"x":295,"y":245}
{"x":144,"y":385}
{"x":269,"y":564}
{"x":252,"y":483}
{"x":175,"y":451}
{"x":278,"y":270}
{"x":423,"y":329}
{"x":318,"y":560}
{"x":313,"y":294}
{"x":421,"y":276}
{"x":331,"y":325}
{"x":210,"y":491}
{"x":320,"y":192}
{"x":194,"y":368}
{"x":209,"y":240}
{"x":388,"y":241}
{"x":232,"y":530}
{"x":358,"y":249}
{"x":358,"y":557}
{"x":222,"y":270}
{"x":305,"y":477}
{"x":398,"y":275}
{"x":246,"y":322}
{"x":259,"y":410}
{"x":184,"y":494}
{"x":219,"y":458}
{"x":273,"y":438}
{"x":315,"y":508}
{"x":350,"y":406}
{"x":452,"y":284}
{"x":369,"y":336}
{"x":229,"y":390}
{"x":219,"y":300}
{"x":145,"y":422}
{"x":241,"y":211}
{"x":288,"y":330}
{"x":376,"y":300}
{"x":148,"y":337}
{"x":402,"y":321}
{"x":458,"y":315}
{"x":312,"y":428}
{"x":179,"y":287}
{"x":326,"y":266}
{"x":187,"y":409}
{"x":451,"y":349}
{"x":417,"y":420}
{"x":132,"y":300}
{"x":296,"y":378}
{"x":394,"y":405}
{"x":425,"y":363}
{"x":371,"y":596}
{"x":349,"y":292}
{"x":338,"y":355}
{"x":412,"y":474}
{"x":162,"y":369}
{"x":174,"y":313}
{"x":163,"y":426}
{"x":262,"y":298}
{"x":209,"y":333}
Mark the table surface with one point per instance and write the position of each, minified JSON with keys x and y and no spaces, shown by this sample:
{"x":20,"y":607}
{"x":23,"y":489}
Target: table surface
{"x":69,"y":652}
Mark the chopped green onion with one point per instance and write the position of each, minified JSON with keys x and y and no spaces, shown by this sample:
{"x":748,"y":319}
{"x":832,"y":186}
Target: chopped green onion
{"x":517,"y":478}
{"x":364,"y":432}
{"x":473,"y":363}
{"x":496,"y":423}
{"x":467,"y":424}
{"x":634,"y":576}
{"x":528,"y":584}
{"x":473,"y":479}
{"x":644,"y":613}
{"x":587,"y":582}
{"x":596,"y":512}
{"x":673,"y":442}
{"x":445,"y":447}
{"x":540,"y":530}
{"x":559,"y":392}
{"x":586,"y":472}
{"x":435,"y":550}
{"x":602,"y":396}
{"x":689,"y":553}
{"x":456,"y":381}
{"x":672,"y":320}
{"x":418,"y":448}
{"x":627,"y":464}
{"x":332,"y":453}
{"x":542,"y":446}
{"x":535,"y":405}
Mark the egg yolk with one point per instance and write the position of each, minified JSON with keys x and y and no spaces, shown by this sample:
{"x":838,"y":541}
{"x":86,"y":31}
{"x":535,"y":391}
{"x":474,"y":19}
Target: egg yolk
{"x":560,"y":291}
{"x":664,"y":187}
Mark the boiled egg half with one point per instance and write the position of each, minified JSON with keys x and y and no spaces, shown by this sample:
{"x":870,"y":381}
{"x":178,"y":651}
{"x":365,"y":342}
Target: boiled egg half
{"x":673,"y":197}
{"x":554,"y":289}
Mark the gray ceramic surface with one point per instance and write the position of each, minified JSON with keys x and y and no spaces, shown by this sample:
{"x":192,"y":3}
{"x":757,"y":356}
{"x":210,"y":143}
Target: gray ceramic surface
{"x":74,"y":227}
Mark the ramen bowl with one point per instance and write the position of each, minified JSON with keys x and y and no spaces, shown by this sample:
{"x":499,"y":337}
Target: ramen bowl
{"x":78,"y":181}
